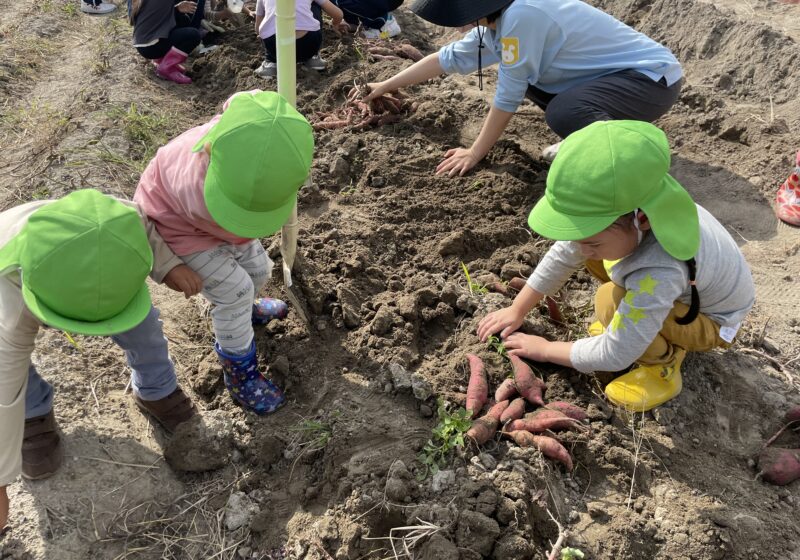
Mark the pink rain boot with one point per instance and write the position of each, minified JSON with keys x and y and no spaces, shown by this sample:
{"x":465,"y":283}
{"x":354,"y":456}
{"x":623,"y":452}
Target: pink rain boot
{"x":788,"y":197}
{"x":157,"y":61}
{"x":168,"y":68}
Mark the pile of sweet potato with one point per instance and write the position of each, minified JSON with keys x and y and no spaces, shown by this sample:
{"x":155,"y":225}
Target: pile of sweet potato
{"x":507,"y":411}
{"x":781,"y":465}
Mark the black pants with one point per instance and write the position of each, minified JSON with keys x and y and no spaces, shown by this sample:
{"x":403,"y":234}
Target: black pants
{"x":185,"y":36}
{"x":307,"y":46}
{"x":369,"y":13}
{"x":625,"y":95}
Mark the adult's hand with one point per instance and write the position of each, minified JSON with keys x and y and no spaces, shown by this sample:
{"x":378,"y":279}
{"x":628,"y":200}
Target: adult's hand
{"x":3,"y":509}
{"x":186,"y":7}
{"x":457,"y":161}
{"x":184,"y":279}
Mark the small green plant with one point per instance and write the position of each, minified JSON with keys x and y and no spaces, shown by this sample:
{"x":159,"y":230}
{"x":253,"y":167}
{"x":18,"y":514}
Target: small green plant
{"x":568,"y":553}
{"x":145,"y":131}
{"x":70,"y":9}
{"x":446,"y":437}
{"x":496,"y":345}
{"x":474,"y":287}
{"x":349,"y":189}
{"x":313,"y":434}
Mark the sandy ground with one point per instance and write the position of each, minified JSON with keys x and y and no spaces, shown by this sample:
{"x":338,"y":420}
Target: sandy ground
{"x":335,"y":473}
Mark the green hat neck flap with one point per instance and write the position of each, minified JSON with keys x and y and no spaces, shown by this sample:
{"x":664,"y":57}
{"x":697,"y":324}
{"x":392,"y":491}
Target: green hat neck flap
{"x":609,"y":169}
{"x":83,"y":261}
{"x":261,"y":151}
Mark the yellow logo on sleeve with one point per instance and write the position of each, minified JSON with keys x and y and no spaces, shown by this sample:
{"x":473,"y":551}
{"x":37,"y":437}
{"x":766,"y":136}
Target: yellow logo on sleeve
{"x":510,"y":50}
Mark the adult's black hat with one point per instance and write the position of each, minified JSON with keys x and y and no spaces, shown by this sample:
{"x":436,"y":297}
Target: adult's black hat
{"x":455,"y":13}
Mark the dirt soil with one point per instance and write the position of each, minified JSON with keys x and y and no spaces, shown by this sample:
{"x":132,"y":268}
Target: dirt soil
{"x":334,"y":473}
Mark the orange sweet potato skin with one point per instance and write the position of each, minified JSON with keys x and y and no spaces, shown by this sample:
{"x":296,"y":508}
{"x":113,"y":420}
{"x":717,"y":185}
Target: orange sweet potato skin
{"x":573,"y":411}
{"x":478,"y":388}
{"x":514,"y":411}
{"x":544,"y":420}
{"x":505,"y":390}
{"x":779,"y":466}
{"x":529,"y":386}
{"x":485,"y":427}
{"x":549,"y":447}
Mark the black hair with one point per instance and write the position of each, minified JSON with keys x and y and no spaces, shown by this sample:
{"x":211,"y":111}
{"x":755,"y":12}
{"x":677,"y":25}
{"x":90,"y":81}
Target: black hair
{"x":694,"y":308}
{"x":494,"y":16}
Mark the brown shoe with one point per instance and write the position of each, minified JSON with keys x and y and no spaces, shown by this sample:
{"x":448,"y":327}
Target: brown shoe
{"x":169,"y":411}
{"x":42,"y":452}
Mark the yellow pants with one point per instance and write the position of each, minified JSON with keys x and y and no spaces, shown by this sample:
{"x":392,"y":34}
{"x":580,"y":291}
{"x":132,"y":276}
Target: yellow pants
{"x":700,"y":335}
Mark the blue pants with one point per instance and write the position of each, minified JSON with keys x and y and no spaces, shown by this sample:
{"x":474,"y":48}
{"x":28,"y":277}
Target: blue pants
{"x":152,"y":372}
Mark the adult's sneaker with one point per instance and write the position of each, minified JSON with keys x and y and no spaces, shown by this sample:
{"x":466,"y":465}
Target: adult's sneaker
{"x":97,"y":9}
{"x":391,"y":28}
{"x":316,"y":62}
{"x":267,"y":70}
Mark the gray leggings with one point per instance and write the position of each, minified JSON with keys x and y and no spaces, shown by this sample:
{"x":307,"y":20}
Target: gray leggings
{"x":625,"y":95}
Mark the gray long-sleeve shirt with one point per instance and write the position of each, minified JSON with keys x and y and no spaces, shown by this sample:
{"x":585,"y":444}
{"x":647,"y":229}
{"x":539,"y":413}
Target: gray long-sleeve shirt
{"x":654,"y":280}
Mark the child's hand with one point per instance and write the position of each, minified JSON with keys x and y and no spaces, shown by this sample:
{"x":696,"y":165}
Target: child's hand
{"x":340,"y":26}
{"x":527,"y":346}
{"x":184,"y":279}
{"x":3,"y":509}
{"x":376,"y":89}
{"x":505,"y":321}
{"x":457,"y":161}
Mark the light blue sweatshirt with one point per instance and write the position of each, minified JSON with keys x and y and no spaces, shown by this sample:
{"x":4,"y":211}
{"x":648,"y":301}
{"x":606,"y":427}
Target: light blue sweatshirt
{"x":555,"y":45}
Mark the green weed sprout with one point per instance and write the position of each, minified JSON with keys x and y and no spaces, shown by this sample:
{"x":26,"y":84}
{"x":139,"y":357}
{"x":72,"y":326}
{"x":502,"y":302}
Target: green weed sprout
{"x":446,"y":437}
{"x":474,"y":287}
{"x":568,"y":553}
{"x":496,"y":345}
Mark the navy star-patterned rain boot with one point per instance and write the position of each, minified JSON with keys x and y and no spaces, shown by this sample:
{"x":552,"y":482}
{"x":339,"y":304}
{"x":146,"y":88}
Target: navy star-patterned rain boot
{"x":246,"y":384}
{"x":266,"y":309}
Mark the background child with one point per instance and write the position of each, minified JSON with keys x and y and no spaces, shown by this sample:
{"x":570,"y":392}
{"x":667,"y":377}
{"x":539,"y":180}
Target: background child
{"x":577,"y":63}
{"x":212,"y":192}
{"x":77,"y":264}
{"x":374,"y":16}
{"x":674,"y":279}
{"x":308,"y":24}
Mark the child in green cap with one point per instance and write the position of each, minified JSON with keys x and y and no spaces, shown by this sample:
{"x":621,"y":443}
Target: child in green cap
{"x":673,"y":278}
{"x":212,"y":192}
{"x":77,"y":264}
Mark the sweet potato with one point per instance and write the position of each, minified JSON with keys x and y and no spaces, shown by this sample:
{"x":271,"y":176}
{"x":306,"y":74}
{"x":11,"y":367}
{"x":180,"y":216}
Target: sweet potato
{"x":549,"y":447}
{"x":514,"y":411}
{"x":529,"y":386}
{"x":793,"y":415}
{"x":505,"y":390}
{"x":517,"y":283}
{"x":478,"y":388}
{"x":408,"y":51}
{"x":573,"y":411}
{"x":779,"y":466}
{"x":484,"y":428}
{"x":499,"y":288}
{"x":544,"y":419}
{"x":553,"y":311}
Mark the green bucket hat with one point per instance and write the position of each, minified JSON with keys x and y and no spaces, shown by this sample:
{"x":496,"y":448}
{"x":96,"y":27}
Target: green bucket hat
{"x":611,"y":168}
{"x":83,"y":261}
{"x":261,"y":152}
